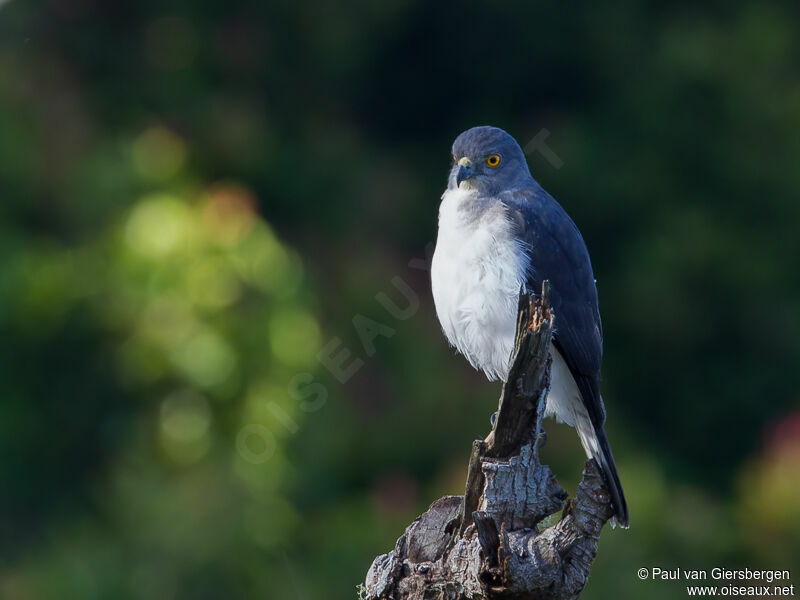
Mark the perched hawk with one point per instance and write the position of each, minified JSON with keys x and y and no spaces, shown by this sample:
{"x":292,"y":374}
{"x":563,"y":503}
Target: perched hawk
{"x":499,"y":231}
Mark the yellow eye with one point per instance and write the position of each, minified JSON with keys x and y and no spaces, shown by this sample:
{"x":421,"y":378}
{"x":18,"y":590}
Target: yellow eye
{"x":493,"y":160}
{"x":454,"y":158}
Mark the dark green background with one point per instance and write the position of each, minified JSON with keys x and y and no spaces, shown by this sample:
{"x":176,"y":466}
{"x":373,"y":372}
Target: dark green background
{"x":195,"y":198}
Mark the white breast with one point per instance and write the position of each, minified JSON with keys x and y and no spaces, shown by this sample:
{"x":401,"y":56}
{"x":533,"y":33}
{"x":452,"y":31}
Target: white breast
{"x":477,"y":271}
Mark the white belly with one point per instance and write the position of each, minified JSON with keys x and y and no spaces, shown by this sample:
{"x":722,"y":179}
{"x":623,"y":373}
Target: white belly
{"x":477,"y":272}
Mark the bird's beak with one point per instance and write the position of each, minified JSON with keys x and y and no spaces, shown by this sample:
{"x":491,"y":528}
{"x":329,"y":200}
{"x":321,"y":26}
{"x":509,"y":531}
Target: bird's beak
{"x":464,"y":170}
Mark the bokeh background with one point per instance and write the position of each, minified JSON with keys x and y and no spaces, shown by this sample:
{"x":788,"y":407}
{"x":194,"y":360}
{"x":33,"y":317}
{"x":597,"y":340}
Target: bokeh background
{"x":198,"y":198}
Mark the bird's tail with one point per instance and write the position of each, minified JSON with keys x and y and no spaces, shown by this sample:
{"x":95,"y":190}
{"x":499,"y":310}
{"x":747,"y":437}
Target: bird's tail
{"x":595,"y":443}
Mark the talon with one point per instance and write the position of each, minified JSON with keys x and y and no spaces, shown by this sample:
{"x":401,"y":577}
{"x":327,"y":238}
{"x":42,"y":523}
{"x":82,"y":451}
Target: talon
{"x":492,"y":419}
{"x":542,"y":438}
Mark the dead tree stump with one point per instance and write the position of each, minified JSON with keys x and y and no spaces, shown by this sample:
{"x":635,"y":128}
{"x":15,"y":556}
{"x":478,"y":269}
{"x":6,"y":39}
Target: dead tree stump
{"x":486,"y":544}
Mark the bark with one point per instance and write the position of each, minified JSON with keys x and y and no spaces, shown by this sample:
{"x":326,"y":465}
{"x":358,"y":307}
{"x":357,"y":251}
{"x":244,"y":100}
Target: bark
{"x":489,"y":543}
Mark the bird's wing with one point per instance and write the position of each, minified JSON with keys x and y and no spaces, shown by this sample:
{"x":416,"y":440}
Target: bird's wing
{"x":558,"y":253}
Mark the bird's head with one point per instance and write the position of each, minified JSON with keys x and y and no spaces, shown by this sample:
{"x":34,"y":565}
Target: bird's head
{"x":488,"y":160}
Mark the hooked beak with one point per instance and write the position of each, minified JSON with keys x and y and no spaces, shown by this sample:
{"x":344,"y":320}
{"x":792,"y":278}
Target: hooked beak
{"x":464,"y":170}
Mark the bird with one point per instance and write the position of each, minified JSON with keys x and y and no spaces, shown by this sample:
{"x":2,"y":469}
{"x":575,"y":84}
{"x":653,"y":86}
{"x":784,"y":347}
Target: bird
{"x":500,"y":232}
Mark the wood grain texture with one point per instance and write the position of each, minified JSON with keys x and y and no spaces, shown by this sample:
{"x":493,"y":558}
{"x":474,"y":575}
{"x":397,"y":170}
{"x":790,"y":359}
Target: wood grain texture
{"x":486,"y":544}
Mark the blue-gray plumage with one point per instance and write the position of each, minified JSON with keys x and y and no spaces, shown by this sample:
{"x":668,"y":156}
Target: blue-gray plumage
{"x":499,"y":230}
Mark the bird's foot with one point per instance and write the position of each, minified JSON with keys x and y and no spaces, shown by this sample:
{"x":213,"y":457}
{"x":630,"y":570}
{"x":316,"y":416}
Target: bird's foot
{"x":492,"y":419}
{"x":542,"y":438}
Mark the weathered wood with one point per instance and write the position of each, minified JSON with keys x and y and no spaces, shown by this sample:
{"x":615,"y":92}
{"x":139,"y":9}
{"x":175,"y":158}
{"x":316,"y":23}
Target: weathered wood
{"x":474,"y":486}
{"x":488,"y":536}
{"x":528,"y":379}
{"x":485,"y":544}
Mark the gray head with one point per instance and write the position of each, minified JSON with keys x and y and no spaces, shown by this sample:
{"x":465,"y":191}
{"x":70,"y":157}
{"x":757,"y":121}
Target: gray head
{"x":488,"y":160}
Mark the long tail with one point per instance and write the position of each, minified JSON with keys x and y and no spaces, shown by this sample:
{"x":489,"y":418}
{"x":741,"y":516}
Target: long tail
{"x":595,"y":443}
